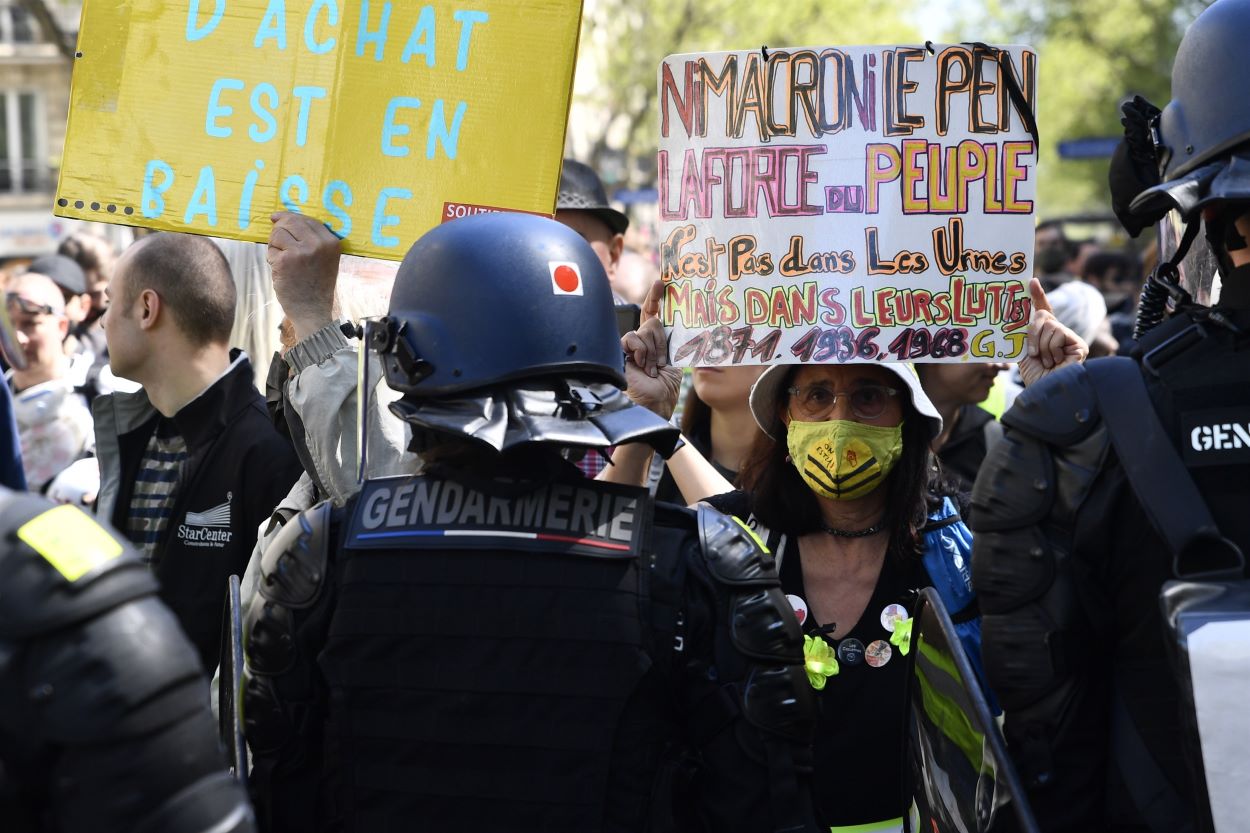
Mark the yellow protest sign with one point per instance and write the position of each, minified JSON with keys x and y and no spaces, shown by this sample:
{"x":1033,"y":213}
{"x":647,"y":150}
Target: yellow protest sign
{"x":380,"y":118}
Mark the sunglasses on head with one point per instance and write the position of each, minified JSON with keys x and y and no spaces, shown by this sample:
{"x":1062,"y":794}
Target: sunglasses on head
{"x":28,"y":306}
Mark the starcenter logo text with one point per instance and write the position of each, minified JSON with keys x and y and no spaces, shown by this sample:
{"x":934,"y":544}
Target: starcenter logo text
{"x":202,"y":536}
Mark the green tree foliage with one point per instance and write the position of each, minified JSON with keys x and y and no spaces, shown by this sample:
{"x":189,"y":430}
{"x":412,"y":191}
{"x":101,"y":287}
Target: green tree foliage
{"x":1092,"y":54}
{"x":623,"y":42}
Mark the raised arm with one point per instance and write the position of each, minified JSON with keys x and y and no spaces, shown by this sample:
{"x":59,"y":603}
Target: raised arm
{"x":654,"y":384}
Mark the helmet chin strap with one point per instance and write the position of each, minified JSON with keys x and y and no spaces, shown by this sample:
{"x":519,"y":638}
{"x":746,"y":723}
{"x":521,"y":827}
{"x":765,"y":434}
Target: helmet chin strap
{"x":1223,"y":236}
{"x":1164,"y":285}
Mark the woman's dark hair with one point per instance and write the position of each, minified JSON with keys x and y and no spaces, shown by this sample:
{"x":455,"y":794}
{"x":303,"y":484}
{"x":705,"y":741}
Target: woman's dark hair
{"x":696,"y":416}
{"x":780,"y":500}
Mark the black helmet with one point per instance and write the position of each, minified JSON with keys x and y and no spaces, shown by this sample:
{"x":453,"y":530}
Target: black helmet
{"x":1207,"y":116}
{"x":495,"y":298}
{"x":1201,"y":142}
{"x":1202,"y":131}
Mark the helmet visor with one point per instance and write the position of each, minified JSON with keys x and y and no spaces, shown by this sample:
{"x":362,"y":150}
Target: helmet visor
{"x":1199,"y":269}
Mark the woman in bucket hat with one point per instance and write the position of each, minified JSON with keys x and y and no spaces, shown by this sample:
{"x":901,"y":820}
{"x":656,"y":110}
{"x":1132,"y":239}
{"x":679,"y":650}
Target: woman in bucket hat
{"x":843,"y":488}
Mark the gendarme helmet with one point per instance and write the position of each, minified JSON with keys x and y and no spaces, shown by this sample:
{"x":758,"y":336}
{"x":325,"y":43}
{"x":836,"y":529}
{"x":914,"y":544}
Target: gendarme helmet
{"x":1207,"y":116}
{"x":495,"y":298}
{"x":1202,"y":140}
{"x":1204,"y":131}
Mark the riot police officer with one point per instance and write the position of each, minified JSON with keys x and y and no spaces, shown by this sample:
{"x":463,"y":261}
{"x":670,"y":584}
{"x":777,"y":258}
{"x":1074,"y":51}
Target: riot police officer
{"x":1111,"y":481}
{"x":494,"y":642}
{"x":104,"y":719}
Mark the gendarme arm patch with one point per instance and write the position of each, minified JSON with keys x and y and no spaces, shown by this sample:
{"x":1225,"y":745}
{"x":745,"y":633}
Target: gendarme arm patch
{"x":584,"y":518}
{"x":70,"y":541}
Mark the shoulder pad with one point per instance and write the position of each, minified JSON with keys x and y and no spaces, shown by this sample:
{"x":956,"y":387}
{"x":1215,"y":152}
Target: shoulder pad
{"x":116,"y":676}
{"x":1016,"y":485}
{"x":1060,"y":409}
{"x":734,"y":555}
{"x":293,"y":566}
{"x":64,"y":575}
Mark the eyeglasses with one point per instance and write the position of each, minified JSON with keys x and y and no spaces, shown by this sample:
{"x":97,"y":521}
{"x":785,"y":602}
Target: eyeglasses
{"x":816,"y":402}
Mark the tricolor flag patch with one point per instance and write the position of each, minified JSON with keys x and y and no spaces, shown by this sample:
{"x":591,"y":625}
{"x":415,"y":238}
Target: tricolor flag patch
{"x":566,"y":278}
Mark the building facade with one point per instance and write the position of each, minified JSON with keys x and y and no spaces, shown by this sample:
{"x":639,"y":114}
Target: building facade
{"x":34,"y":106}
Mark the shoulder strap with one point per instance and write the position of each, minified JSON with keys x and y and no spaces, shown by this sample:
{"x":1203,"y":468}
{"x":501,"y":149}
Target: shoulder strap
{"x":1158,"y":477}
{"x":776,"y":544}
{"x":947,"y":558}
{"x":663,"y":576}
{"x":1158,"y":802}
{"x":655,"y":473}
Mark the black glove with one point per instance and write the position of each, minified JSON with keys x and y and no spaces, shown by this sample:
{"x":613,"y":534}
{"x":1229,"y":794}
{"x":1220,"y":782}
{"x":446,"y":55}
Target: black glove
{"x":1135,"y":163}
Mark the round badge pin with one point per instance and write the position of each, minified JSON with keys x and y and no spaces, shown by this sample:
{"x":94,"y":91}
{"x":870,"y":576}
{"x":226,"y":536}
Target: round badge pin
{"x":850,"y":651}
{"x":891,"y":614}
{"x":878,"y":653}
{"x":800,"y":608}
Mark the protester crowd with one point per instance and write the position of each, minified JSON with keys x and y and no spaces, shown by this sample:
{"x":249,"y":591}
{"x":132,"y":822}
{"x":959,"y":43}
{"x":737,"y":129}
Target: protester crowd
{"x":151,"y":417}
{"x":57,"y":306}
{"x":205,"y":398}
{"x":135,"y":402}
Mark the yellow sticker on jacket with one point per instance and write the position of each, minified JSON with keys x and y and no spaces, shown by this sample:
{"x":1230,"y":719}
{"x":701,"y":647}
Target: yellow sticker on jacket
{"x":70,"y":541}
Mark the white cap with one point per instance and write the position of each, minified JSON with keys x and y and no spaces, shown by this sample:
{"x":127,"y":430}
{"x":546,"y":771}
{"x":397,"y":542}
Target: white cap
{"x":767,"y":392}
{"x":1078,"y":306}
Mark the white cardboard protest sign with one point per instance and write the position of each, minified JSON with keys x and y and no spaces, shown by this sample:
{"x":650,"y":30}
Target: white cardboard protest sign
{"x":835,"y":204}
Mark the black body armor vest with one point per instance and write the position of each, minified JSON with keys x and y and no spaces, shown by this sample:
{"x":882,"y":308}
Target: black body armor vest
{"x":491,"y":658}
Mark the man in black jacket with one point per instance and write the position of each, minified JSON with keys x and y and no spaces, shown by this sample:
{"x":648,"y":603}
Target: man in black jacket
{"x":190,"y":465}
{"x":968,"y":430}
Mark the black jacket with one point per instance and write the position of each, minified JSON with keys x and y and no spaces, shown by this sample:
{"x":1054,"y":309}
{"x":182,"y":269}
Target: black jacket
{"x":965,"y":448}
{"x":239,"y":468}
{"x":1069,"y":566}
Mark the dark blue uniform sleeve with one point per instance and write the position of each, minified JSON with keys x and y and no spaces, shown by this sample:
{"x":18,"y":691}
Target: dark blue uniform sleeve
{"x":104,"y":719}
{"x":750,"y":712}
{"x":1040,"y":600}
{"x":12,"y":475}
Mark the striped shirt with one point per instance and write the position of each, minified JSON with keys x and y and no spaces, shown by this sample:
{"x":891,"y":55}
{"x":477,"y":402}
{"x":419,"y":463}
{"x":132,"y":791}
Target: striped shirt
{"x":592,"y":463}
{"x":156,"y":483}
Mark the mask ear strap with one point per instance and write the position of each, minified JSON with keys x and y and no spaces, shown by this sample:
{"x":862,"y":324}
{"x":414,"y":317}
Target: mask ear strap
{"x":1233,"y":239}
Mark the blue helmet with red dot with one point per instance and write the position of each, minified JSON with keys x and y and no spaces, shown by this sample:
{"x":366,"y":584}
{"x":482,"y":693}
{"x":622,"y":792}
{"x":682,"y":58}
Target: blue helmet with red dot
{"x":494,"y":298}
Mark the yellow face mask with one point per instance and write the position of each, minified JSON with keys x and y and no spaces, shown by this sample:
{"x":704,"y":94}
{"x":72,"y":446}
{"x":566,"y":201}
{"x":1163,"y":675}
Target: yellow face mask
{"x":843,"y":460}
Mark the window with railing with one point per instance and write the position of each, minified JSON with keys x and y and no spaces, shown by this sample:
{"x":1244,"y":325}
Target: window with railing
{"x":21,"y":128}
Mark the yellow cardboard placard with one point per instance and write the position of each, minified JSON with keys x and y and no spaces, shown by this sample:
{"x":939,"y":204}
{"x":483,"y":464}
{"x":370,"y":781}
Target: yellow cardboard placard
{"x":70,"y":541}
{"x":381,"y":119}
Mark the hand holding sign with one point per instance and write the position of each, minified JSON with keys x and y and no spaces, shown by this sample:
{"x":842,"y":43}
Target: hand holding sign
{"x":1051,"y":345}
{"x":653,"y":381}
{"x":304,"y":257}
